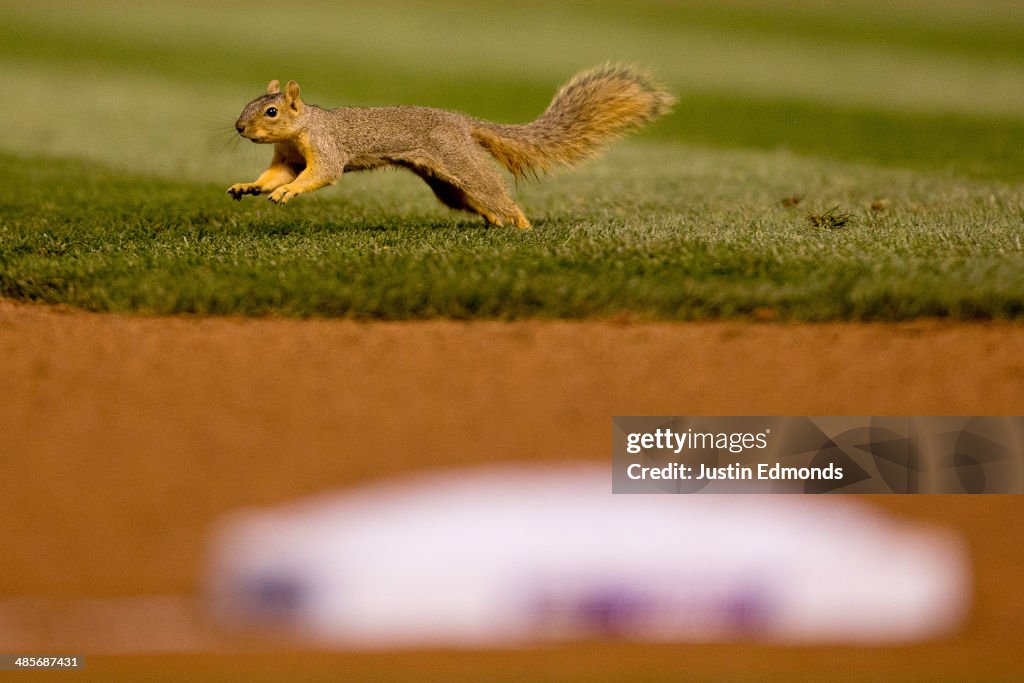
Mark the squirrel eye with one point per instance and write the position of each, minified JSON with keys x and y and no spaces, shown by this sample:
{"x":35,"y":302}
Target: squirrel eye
{"x":272,"y":112}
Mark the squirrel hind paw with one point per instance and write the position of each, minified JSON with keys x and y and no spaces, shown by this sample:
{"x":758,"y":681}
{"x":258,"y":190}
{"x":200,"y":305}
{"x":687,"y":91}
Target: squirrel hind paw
{"x":520,"y":221}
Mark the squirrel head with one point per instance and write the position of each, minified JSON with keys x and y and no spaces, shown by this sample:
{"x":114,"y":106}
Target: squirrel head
{"x":274,"y":117}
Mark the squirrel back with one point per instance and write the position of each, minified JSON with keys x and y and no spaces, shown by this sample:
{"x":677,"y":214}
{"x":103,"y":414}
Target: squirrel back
{"x":593,"y":108}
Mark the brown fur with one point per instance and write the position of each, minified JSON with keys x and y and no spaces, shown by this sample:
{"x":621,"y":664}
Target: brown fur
{"x":314,"y":146}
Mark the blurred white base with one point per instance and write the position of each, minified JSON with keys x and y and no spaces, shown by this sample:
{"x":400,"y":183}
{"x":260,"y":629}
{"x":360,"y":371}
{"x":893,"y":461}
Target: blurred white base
{"x":512,"y":555}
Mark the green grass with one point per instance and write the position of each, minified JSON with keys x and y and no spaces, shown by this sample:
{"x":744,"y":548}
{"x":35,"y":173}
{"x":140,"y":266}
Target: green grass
{"x":688,"y":233}
{"x":118,"y":147}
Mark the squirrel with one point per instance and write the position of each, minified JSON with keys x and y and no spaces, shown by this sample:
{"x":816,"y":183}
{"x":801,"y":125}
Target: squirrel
{"x":314,"y":146}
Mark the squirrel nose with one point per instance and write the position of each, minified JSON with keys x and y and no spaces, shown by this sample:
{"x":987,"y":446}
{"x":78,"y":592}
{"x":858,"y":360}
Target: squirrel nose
{"x":239,"y":127}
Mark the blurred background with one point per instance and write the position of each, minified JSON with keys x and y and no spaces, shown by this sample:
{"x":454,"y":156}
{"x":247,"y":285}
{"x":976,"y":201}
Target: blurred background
{"x":149,"y":86}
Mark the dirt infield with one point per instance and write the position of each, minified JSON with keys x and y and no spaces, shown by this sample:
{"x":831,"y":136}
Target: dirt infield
{"x":122,"y":438}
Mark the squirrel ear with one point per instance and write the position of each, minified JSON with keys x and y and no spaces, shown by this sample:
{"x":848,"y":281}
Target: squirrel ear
{"x":273,"y":87}
{"x":291,"y":96}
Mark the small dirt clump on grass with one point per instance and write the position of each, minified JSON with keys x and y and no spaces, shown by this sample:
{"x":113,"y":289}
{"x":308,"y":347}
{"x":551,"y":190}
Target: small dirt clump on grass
{"x":833,"y":219}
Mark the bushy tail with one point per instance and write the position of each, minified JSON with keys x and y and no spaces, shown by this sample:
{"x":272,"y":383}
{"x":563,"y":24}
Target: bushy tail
{"x":594,"y":107}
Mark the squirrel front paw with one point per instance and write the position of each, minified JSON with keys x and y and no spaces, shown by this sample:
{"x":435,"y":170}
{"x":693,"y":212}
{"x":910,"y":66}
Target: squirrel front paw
{"x":282,"y":195}
{"x":238,"y":189}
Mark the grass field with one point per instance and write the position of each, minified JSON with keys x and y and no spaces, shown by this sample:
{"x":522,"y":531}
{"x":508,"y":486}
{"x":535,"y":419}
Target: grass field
{"x":909,"y":119}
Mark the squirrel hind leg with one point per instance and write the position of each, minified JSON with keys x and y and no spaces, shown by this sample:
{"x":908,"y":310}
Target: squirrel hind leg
{"x":499,"y":211}
{"x":507,"y":212}
{"x":518,"y":219}
{"x":488,"y":194}
{"x":447,"y":193}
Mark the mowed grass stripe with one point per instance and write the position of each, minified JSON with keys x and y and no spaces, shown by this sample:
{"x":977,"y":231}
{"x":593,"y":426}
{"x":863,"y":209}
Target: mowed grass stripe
{"x":977,"y":30}
{"x":155,"y":87}
{"x":949,"y":143}
{"x":341,"y":45}
{"x":148,"y":124}
{"x":689,"y":234}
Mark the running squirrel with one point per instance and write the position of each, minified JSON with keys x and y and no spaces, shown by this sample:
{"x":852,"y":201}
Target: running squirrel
{"x":314,"y":146}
